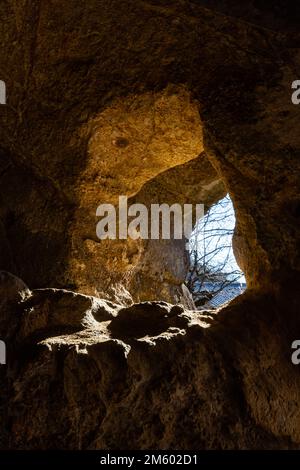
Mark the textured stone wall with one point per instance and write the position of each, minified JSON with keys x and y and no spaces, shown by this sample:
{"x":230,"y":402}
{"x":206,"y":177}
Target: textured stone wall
{"x":102,"y":98}
{"x":154,"y":100}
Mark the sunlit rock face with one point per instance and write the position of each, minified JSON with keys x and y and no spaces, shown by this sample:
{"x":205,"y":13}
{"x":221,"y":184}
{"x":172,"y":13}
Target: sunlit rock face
{"x":161,"y":101}
{"x":131,"y":145}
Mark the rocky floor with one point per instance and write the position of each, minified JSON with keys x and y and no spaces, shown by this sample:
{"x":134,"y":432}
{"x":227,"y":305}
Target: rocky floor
{"x":85,"y":373}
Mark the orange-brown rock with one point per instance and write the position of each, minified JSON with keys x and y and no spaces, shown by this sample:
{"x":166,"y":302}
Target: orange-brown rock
{"x":161,"y":101}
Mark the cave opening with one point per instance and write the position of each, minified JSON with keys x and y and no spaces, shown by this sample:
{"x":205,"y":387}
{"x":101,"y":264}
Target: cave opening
{"x":214,"y":277}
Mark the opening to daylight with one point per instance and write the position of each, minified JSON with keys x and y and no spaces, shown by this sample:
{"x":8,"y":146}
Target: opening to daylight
{"x":214,"y":278}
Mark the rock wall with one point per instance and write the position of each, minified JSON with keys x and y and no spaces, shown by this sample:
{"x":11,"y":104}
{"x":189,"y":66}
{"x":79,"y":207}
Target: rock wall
{"x":159,"y":101}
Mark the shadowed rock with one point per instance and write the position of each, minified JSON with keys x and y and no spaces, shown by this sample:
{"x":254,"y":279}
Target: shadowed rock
{"x":146,"y":319}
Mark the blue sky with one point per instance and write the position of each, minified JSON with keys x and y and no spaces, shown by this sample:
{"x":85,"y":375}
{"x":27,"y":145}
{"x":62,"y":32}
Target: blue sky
{"x":211,"y":237}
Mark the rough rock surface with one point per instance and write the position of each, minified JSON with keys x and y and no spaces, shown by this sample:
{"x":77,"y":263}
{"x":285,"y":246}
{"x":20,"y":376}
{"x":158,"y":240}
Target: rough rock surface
{"x":84,"y":373}
{"x":128,"y":97}
{"x":103,"y":98}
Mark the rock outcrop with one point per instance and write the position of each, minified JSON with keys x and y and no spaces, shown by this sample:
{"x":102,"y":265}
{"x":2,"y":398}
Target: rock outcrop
{"x":85,"y":373}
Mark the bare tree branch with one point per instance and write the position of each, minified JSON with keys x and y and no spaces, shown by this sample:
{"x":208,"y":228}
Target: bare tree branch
{"x":211,"y":253}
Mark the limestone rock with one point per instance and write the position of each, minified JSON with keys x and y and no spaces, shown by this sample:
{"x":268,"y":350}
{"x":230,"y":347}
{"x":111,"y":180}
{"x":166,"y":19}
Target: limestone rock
{"x":63,"y":311}
{"x":145,"y":319}
{"x":163,"y":101}
{"x":13,"y":291}
{"x":153,"y":376}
